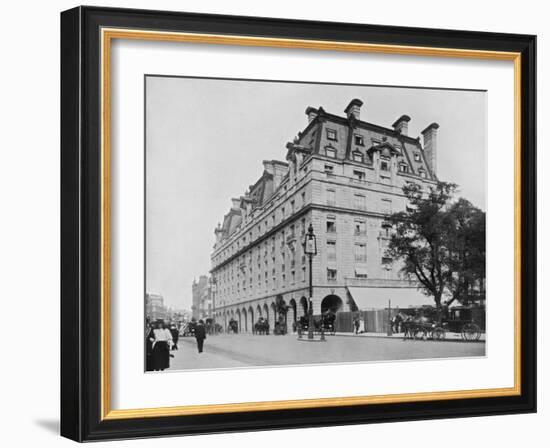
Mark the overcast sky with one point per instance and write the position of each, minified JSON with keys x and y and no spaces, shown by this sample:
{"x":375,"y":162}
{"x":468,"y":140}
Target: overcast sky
{"x":206,"y":139}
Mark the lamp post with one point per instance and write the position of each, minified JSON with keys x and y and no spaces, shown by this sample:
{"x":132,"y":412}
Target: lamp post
{"x":310,"y":249}
{"x":213,"y":292}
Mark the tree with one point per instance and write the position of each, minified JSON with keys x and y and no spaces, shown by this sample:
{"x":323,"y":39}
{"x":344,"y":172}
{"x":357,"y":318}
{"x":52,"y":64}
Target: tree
{"x":441,"y":243}
{"x":467,"y":246}
{"x":419,"y":237}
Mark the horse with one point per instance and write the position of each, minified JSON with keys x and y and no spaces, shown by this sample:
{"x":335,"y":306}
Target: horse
{"x":261,"y":327}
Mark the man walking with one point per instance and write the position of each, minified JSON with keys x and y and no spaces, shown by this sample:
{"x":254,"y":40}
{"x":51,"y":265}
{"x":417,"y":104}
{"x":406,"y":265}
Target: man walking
{"x":200,"y":335}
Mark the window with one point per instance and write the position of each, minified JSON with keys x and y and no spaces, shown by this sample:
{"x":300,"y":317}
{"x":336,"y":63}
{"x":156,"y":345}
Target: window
{"x":331,"y":250}
{"x":359,"y":140}
{"x":360,"y":253}
{"x":360,"y":202}
{"x":331,"y":134}
{"x":330,"y":152}
{"x":331,"y":197}
{"x":384,"y":165}
{"x":386,"y":206}
{"x":416,"y":156}
{"x":304,"y":274}
{"x":361,"y":272}
{"x":360,"y":228}
{"x":359,"y":175}
{"x":303,"y":227}
{"x":357,"y":157}
{"x":293,"y":277}
{"x":403,"y":168}
{"x":303,"y":198}
{"x":422,"y":173}
{"x":329,"y":169}
{"x":331,"y":225}
{"x":282,"y":213}
{"x":387,"y":262}
{"x":292,"y":206}
{"x":331,"y":275}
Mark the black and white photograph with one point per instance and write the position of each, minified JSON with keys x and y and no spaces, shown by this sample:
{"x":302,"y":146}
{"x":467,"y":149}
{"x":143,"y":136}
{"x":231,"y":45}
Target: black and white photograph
{"x":291,"y":223}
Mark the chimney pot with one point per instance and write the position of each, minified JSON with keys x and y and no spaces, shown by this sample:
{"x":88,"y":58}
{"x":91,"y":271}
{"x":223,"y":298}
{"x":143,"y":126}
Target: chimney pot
{"x":311,"y":113}
{"x":430,"y":146}
{"x":354,"y":108}
{"x":401,"y":125}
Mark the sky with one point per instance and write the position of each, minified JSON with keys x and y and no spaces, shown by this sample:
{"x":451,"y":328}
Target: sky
{"x":206,"y":140}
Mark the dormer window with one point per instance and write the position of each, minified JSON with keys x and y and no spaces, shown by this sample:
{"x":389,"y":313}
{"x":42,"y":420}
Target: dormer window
{"x":384,"y":165}
{"x":417,"y":157}
{"x":332,"y":135}
{"x":330,"y":152}
{"x":329,"y":169}
{"x":359,"y":175}
{"x":422,"y":173}
{"x":403,"y":168}
{"x":359,"y":141}
{"x":357,"y":156}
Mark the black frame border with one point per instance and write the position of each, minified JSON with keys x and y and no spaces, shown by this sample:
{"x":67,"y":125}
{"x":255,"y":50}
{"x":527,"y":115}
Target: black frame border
{"x":81,"y":223}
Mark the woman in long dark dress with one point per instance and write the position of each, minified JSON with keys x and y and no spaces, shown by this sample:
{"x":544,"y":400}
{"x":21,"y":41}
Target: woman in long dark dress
{"x":149,"y":338}
{"x":162,"y":340}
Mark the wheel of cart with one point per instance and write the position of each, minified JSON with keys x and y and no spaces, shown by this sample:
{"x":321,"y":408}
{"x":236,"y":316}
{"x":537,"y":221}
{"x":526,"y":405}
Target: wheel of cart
{"x":438,"y":334}
{"x":471,"y":332}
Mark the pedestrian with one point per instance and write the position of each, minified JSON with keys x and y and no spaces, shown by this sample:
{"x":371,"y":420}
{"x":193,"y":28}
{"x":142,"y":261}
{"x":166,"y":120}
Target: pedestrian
{"x":149,"y":338}
{"x":357,"y":324}
{"x":161,"y":339}
{"x":200,"y":335}
{"x":175,"y":336}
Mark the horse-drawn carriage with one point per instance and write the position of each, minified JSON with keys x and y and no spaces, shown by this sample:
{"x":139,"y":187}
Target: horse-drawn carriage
{"x":425,"y":324}
{"x":325,"y":322}
{"x":188,"y":328}
{"x":262,"y":326}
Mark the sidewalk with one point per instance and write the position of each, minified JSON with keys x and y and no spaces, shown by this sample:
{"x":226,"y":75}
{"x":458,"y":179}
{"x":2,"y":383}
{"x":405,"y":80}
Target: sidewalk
{"x":456,"y":337}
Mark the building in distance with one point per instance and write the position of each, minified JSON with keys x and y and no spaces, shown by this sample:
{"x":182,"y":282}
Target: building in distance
{"x":202,"y":298}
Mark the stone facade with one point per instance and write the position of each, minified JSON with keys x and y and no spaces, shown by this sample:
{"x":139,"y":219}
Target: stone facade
{"x":341,"y":174}
{"x":154,"y":307}
{"x":202,"y":298}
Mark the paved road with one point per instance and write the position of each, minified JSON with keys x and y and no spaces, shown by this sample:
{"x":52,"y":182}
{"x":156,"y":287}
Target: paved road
{"x":246,"y":350}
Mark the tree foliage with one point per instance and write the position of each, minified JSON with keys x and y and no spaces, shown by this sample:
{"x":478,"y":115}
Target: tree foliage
{"x":439,"y":242}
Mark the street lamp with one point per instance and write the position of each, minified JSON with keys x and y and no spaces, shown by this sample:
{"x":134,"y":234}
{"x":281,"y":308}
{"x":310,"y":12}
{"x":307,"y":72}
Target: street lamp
{"x":213,"y":293}
{"x":310,"y":249}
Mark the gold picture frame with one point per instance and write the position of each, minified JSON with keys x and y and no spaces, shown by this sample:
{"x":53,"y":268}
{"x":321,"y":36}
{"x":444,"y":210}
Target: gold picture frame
{"x":107,"y":31}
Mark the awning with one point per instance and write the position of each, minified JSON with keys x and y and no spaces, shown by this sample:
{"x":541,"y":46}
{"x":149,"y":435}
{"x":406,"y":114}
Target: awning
{"x":360,"y":271}
{"x":372,"y":298}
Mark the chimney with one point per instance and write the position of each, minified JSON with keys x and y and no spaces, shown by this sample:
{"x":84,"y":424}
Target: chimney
{"x":430,"y":146}
{"x":219,"y":234}
{"x":311,"y":113}
{"x":236,"y":203}
{"x":401,"y":125}
{"x":354,"y":108}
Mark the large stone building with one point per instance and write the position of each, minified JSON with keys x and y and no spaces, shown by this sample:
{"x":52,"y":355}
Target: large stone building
{"x":343,"y":175}
{"x":154,"y":307}
{"x":202,"y":298}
